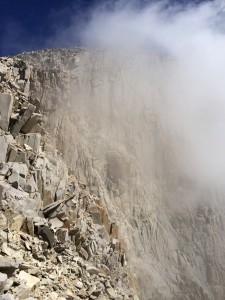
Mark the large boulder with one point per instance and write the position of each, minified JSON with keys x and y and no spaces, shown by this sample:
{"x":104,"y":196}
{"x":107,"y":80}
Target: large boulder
{"x":6,"y":102}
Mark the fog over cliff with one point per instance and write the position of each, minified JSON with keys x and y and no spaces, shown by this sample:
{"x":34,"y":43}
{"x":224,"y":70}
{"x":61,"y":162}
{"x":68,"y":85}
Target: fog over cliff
{"x":145,"y":130}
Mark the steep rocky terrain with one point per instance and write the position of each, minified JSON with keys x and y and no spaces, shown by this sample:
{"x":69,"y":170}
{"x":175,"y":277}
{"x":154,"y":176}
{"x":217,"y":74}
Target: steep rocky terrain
{"x":125,"y":200}
{"x":56,"y":239}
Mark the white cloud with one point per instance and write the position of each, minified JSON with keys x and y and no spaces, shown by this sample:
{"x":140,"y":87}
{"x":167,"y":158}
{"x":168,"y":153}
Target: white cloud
{"x":193,"y":37}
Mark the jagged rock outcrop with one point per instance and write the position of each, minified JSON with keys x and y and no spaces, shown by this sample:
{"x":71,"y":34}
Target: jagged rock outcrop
{"x":108,"y":119}
{"x":56,"y":240}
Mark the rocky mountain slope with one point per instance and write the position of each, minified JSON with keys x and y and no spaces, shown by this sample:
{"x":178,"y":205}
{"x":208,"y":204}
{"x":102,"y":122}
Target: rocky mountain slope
{"x":56,"y":239}
{"x":113,"y":194}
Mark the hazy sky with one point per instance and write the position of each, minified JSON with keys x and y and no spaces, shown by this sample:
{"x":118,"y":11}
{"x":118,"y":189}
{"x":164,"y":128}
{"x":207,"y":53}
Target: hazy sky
{"x":29,"y":25}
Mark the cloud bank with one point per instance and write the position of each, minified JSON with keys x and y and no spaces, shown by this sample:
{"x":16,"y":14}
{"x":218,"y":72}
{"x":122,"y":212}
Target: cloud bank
{"x":192,"y":37}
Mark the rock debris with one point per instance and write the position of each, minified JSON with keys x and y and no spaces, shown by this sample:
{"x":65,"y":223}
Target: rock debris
{"x":54,"y":241}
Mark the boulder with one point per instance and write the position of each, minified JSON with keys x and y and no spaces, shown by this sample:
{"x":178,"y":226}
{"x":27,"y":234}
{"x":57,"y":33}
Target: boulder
{"x":8,"y":264}
{"x":3,"y":149}
{"x":49,"y":209}
{"x":22,"y":291}
{"x":16,"y":155}
{"x":18,"y":200}
{"x":31,"y":123}
{"x":83,"y":253}
{"x":30,"y":141}
{"x":46,"y":234}
{"x":3,"y":69}
{"x":31,"y":281}
{"x":21,"y":168}
{"x":6,"y":102}
{"x":33,"y":140}
{"x":21,"y":84}
{"x":14,"y":179}
{"x":31,"y":186}
{"x":4,"y":168}
{"x":62,"y":234}
{"x":3,"y":279}
{"x":96,"y":217}
{"x":23,"y":118}
{"x":16,"y":222}
{"x":78,"y":284}
{"x":56,"y":223}
{"x":92,"y":270}
{"x":27,"y":87}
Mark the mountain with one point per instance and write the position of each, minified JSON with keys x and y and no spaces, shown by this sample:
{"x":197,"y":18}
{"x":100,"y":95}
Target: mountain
{"x":90,"y":158}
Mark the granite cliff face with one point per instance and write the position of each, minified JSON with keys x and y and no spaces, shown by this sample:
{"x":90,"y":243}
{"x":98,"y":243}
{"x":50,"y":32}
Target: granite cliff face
{"x":108,"y":117}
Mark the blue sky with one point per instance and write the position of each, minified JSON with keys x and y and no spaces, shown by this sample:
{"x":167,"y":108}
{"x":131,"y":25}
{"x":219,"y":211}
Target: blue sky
{"x":30,"y":25}
{"x":27,"y":25}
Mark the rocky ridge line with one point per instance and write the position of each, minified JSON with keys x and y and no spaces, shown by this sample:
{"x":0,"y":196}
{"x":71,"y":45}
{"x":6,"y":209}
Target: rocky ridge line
{"x":56,"y":240}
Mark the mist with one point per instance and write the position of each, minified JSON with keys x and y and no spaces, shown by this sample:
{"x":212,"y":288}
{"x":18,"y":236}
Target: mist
{"x":191,"y":37}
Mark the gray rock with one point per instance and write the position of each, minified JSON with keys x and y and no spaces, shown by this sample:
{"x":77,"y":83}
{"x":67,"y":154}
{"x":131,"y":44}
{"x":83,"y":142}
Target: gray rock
{"x":30,"y":226}
{"x":8,"y":265}
{"x":84,"y":253}
{"x":8,"y":285}
{"x":32,"y":122}
{"x":3,"y":279}
{"x":31,"y":281}
{"x":22,"y":291}
{"x":95,"y":213}
{"x":6,"y":102}
{"x":22,"y":120}
{"x":4,"y":168}
{"x":104,"y":269}
{"x":59,"y":195}
{"x":21,"y":168}
{"x":27,"y":86}
{"x":31,"y":186}
{"x":33,"y":140}
{"x":92,"y":270}
{"x":27,"y":72}
{"x":18,"y":200}
{"x":16,"y":222}
{"x":14,"y":179}
{"x":3,"y":69}
{"x":62,"y":234}
{"x":92,"y":289}
{"x":16,"y":155}
{"x":21,"y":84}
{"x":47,"y":235}
{"x":51,"y":208}
{"x":78,"y":284}
{"x":3,"y":149}
{"x":55,"y":223}
{"x":14,"y":84}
